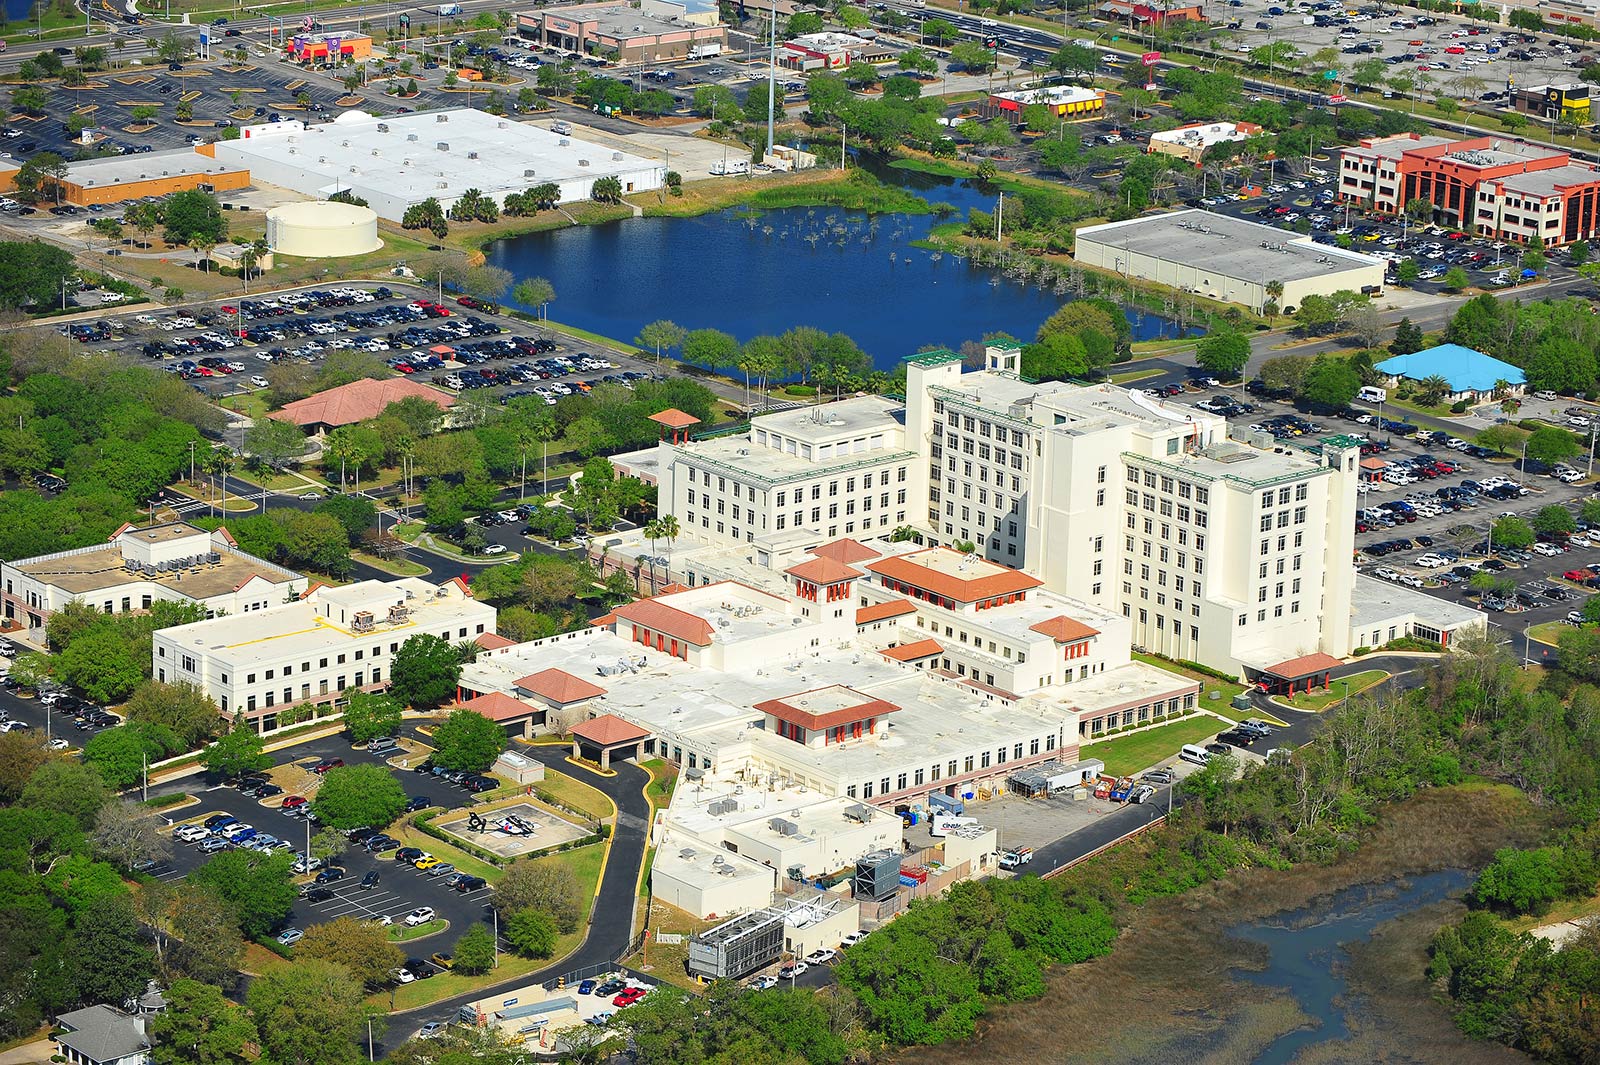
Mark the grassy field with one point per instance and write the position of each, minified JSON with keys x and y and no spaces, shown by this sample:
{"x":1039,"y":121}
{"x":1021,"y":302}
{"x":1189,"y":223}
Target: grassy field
{"x":702,"y":197}
{"x":663,"y":778}
{"x":1124,"y":755}
{"x":1129,"y":376}
{"x":572,"y":792}
{"x":447,"y":984}
{"x":1319,"y":701}
{"x":1215,"y":695}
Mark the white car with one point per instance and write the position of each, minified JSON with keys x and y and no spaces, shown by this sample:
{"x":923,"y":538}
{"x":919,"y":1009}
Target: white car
{"x":852,"y":938}
{"x":419,"y":916}
{"x":1548,"y":550}
{"x":258,"y":381}
{"x":402,"y":976}
{"x":1429,"y":561}
{"x":1410,"y":580}
{"x":1386,"y":573}
{"x":1569,"y":476}
{"x":191,"y":833}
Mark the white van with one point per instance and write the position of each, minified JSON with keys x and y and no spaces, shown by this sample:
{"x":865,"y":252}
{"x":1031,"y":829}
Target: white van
{"x":1372,"y":394}
{"x":1189,"y":752}
{"x":563,"y":128}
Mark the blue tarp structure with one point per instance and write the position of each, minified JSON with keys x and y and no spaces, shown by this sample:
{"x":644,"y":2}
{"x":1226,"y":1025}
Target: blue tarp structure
{"x":1465,"y":369}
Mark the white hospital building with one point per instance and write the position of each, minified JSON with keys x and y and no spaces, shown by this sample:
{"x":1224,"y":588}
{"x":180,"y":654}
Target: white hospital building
{"x":312,"y":650}
{"x":1213,"y":546}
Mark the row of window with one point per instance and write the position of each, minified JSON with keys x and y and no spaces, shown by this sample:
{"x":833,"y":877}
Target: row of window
{"x":1168,"y":484}
{"x":949,"y":770}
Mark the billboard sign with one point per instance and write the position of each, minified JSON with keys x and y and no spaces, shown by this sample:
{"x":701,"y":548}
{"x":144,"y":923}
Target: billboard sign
{"x":1150,"y":59}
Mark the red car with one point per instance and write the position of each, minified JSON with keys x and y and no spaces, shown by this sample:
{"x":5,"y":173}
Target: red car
{"x":323,"y":767}
{"x":1579,"y":575}
{"x":294,"y":800}
{"x":628,"y":997}
{"x":227,"y":309}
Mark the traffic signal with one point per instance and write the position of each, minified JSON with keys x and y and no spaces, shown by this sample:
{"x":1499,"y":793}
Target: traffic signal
{"x":991,"y":42}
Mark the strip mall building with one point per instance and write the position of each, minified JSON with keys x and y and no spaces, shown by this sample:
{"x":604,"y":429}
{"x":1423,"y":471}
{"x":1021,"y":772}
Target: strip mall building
{"x":1501,"y":188}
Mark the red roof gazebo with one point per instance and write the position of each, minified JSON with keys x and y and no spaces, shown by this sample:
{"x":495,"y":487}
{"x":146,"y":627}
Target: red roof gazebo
{"x":675,"y":423}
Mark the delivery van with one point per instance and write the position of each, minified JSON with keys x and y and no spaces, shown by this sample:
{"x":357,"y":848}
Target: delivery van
{"x":1191,"y":753}
{"x":1372,"y":394}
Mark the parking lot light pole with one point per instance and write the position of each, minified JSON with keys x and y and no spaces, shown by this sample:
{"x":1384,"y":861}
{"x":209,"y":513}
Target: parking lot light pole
{"x":496,"y":915}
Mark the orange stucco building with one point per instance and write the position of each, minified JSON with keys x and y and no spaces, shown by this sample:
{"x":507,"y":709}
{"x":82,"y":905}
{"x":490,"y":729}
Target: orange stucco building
{"x":130,"y":177}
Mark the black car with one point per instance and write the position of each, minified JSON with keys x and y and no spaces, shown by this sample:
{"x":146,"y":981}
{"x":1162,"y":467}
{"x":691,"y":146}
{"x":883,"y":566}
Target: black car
{"x":266,"y":791}
{"x":330,"y":874}
{"x":408,"y":854}
{"x":1237,"y":738}
{"x":469,"y":883}
{"x":369,"y":881}
{"x":361,"y":835}
{"x":610,"y":987}
{"x":419,"y":968}
{"x":418,"y":802}
{"x":318,"y":894}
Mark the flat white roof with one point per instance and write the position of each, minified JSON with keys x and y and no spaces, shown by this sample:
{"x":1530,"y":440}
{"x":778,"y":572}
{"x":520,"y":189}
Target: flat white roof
{"x":400,"y":155}
{"x":121,"y":169}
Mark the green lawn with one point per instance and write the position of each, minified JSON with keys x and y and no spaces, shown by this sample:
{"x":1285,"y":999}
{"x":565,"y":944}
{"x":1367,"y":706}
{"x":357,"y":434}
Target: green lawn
{"x":400,"y":567}
{"x":1125,"y":755}
{"x":572,"y":792}
{"x":1321,"y":700}
{"x":410,"y":836}
{"x":1222,"y":690}
{"x":1548,"y":632}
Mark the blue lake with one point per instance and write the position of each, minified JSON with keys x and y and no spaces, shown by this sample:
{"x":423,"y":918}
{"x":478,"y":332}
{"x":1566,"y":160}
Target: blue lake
{"x":838,"y":270}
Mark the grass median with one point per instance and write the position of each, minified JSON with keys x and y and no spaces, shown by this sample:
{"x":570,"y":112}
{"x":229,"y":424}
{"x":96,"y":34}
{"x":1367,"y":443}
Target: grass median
{"x":574,"y":793}
{"x":1125,"y":755}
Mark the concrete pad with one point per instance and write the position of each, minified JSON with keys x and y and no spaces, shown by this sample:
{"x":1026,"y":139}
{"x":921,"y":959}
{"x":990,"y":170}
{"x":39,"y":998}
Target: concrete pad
{"x":549,"y":830}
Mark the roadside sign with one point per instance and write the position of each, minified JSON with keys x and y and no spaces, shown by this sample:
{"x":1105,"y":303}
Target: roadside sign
{"x":1150,"y":59}
{"x":1330,"y":75}
{"x":1337,"y":98}
{"x":405,"y":20}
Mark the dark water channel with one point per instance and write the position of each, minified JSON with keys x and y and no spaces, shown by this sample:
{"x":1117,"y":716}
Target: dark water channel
{"x":1307,"y":951}
{"x":839,"y":270}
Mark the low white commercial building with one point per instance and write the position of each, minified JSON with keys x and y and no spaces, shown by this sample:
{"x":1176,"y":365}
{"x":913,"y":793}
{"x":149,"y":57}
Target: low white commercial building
{"x":1190,"y":142}
{"x":707,"y":881}
{"x":1385,"y":611}
{"x":314,"y":649}
{"x":1225,"y":258}
{"x":397,"y":161}
{"x":138,"y":566}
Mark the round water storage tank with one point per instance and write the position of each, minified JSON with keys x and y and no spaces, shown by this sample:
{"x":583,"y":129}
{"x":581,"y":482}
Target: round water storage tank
{"x":321,"y":229}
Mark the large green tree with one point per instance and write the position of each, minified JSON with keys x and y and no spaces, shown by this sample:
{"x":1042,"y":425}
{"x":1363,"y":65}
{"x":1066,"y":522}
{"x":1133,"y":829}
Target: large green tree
{"x":256,"y":887}
{"x":1330,"y":382}
{"x":310,"y":1012}
{"x":360,"y":947}
{"x":543,"y":885}
{"x":1550,"y":445}
{"x":370,"y":715}
{"x":200,"y":1027}
{"x":110,"y":960}
{"x":237,"y":751}
{"x":194,"y":216}
{"x":191,"y":714}
{"x":424,"y":672}
{"x":1224,"y":352}
{"x":466,"y":740}
{"x":67,"y":787}
{"x":531,"y":933}
{"x":359,"y":796}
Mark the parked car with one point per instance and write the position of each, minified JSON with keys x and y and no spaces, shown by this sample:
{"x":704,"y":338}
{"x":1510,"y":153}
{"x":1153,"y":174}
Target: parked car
{"x":290,"y":937}
{"x":419,"y":916}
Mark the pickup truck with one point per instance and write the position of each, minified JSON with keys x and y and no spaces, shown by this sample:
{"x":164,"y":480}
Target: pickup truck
{"x":1016,"y":858}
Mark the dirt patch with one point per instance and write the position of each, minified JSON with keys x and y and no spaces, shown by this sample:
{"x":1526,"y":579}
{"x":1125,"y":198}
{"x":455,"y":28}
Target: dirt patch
{"x":1191,"y":1005}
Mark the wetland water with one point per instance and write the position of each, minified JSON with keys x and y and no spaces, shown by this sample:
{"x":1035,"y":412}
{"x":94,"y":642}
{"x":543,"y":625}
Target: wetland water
{"x":839,"y":270}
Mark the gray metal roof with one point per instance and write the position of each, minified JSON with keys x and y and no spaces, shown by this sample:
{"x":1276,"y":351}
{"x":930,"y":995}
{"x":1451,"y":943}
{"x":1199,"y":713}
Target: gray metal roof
{"x":101,"y":1033}
{"x":1227,"y":246}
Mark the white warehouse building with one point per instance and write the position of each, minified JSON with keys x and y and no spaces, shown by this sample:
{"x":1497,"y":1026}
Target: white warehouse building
{"x":398,"y":161}
{"x":1225,"y":258}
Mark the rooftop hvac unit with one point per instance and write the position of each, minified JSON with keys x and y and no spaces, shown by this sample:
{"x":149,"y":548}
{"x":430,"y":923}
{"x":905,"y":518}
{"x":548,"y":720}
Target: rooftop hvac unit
{"x":583,"y":162}
{"x":528,"y":173}
{"x":502,"y":125}
{"x":411,"y":136}
{"x":344,"y":144}
{"x":443,"y":146}
{"x":322,"y":158}
{"x":441,"y":118}
{"x":375,"y":153}
{"x":565,"y":142}
{"x":687,"y":854}
{"x":383,"y":127}
{"x":441,"y":184}
{"x":616,"y":157}
{"x":355,"y":170}
{"x":472,"y":155}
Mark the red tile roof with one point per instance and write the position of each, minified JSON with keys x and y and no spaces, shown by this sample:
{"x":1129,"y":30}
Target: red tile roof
{"x":659,"y":617}
{"x":673,"y":418}
{"x":497,"y":706}
{"x":1374,"y":464}
{"x":1063,"y":629}
{"x":847,"y":551}
{"x":491,"y":641}
{"x":357,"y":401}
{"x":608,"y":730}
{"x":1305,"y":665}
{"x":883,"y":611}
{"x":559,"y":686}
{"x":907,"y":569}
{"x":910,"y":652}
{"x":785,"y":710}
{"x":824,"y":571}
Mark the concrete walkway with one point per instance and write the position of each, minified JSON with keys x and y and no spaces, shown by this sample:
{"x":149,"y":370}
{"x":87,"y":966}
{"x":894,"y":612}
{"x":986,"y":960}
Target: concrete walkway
{"x":38,"y":1050}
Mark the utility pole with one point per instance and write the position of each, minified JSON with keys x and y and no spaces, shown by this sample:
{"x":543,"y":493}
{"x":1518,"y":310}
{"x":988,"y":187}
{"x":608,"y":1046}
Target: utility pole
{"x":999,"y":220}
{"x":772,"y":73}
{"x":144,"y":765}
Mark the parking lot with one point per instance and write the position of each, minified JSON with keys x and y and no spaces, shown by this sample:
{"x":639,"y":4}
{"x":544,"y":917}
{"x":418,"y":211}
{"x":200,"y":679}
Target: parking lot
{"x":1454,"y":55}
{"x":400,"y":887}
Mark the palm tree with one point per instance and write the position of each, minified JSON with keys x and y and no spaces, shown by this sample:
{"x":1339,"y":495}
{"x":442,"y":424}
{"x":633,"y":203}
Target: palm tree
{"x":1432,"y":389}
{"x":1502,"y":388}
{"x":652,"y":532}
{"x":1274,"y":290}
{"x":668,"y":524}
